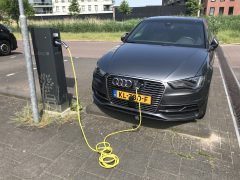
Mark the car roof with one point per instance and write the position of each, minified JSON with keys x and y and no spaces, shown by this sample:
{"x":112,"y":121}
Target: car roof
{"x":183,"y":18}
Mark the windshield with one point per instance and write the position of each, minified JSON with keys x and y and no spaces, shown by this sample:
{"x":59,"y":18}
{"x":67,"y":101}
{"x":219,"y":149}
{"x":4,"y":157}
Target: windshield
{"x":169,"y":32}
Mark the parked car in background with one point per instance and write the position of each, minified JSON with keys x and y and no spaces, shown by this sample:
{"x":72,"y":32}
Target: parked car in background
{"x":8,"y":41}
{"x":169,"y":60}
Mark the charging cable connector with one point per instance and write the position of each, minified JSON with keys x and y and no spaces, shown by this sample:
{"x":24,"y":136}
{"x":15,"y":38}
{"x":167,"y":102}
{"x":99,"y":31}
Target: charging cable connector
{"x":59,"y":42}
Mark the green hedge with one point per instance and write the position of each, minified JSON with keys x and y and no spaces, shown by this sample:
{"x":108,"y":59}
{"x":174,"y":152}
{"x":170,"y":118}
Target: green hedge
{"x":224,"y":23}
{"x":88,"y":25}
{"x":216,"y":23}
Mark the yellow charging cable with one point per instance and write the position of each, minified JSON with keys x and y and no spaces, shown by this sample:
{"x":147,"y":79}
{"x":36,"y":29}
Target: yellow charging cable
{"x":107,"y":159}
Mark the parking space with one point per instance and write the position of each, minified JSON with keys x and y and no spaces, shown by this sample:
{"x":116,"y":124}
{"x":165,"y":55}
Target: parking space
{"x":203,"y":149}
{"x":232,"y":54}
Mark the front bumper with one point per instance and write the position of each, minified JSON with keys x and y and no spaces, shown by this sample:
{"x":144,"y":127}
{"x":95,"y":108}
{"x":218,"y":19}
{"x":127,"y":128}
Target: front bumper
{"x":173,"y":105}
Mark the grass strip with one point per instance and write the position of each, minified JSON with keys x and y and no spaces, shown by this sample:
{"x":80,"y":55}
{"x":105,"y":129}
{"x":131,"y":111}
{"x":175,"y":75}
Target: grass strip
{"x":229,"y":36}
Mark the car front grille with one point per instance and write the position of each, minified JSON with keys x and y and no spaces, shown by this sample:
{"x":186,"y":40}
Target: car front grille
{"x":151,"y":88}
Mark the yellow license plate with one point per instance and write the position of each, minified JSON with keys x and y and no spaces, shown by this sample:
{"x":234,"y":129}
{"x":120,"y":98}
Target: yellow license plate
{"x":126,"y":95}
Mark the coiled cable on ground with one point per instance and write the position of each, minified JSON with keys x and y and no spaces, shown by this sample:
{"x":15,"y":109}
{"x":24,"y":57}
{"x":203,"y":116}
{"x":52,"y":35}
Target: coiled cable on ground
{"x":107,"y":158}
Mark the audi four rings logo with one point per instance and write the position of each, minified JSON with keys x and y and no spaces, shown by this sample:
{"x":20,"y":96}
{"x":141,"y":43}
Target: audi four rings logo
{"x":120,"y":82}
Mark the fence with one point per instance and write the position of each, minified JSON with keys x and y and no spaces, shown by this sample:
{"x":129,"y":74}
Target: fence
{"x":137,"y":12}
{"x":148,"y":11}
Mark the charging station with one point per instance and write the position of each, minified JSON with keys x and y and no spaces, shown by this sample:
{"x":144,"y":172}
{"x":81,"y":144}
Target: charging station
{"x":50,"y":68}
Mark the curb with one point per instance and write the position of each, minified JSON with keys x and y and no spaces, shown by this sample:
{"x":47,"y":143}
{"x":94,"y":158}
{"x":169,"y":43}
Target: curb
{"x":232,"y":90}
{"x":15,"y":93}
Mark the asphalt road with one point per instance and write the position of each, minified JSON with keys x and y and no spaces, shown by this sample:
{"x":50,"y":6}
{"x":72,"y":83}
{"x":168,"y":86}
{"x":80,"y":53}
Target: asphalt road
{"x":13,"y":76}
{"x":88,"y":49}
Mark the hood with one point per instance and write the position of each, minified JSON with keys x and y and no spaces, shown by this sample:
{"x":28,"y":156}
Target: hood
{"x":157,"y":62}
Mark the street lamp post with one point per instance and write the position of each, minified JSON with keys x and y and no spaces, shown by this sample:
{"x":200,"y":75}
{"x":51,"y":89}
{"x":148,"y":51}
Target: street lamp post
{"x":28,"y":58}
{"x":199,"y":3}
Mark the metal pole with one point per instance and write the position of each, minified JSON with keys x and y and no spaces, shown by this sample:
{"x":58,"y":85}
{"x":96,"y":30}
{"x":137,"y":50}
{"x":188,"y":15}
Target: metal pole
{"x":199,"y":3}
{"x":114,"y":13}
{"x":114,"y":10}
{"x":28,"y":58}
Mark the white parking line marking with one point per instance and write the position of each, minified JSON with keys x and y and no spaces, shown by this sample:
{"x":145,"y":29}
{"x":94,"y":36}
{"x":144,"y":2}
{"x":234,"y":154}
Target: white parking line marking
{"x":230,"y":107}
{"x":10,"y":74}
{"x":12,"y":57}
{"x":65,"y":60}
{"x":235,"y":77}
{"x":34,"y":68}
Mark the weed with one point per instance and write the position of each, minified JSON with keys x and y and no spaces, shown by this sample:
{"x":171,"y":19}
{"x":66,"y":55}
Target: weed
{"x":24,"y":118}
{"x":210,"y":158}
{"x":73,"y":105}
{"x":185,"y":155}
{"x":205,"y":154}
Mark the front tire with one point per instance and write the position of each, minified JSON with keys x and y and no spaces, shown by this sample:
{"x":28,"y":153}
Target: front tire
{"x":5,"y":48}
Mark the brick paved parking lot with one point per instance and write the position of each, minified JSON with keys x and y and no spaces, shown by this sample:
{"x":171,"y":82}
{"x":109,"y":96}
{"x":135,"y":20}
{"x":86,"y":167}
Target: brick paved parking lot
{"x":204,"y":149}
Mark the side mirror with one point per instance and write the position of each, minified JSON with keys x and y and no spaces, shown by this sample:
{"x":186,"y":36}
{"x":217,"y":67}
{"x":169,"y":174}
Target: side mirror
{"x":123,"y":37}
{"x":214,"y":44}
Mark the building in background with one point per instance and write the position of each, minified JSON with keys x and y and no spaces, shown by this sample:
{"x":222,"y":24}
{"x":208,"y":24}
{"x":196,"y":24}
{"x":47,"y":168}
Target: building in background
{"x":173,"y":2}
{"x":222,"y":7}
{"x":211,"y":7}
{"x":42,"y":6}
{"x":60,"y":7}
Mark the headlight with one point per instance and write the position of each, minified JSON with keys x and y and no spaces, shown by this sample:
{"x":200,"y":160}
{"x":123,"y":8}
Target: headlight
{"x":190,"y":83}
{"x":99,"y":71}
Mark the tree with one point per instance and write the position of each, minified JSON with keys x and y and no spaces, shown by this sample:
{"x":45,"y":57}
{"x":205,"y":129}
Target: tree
{"x":125,"y":8}
{"x":74,"y":8}
{"x":10,"y":9}
{"x":192,"y":7}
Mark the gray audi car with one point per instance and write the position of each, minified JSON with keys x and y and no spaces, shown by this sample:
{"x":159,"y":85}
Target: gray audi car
{"x":170,"y":61}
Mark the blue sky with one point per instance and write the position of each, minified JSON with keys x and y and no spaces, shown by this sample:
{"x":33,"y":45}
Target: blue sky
{"x":137,"y":3}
